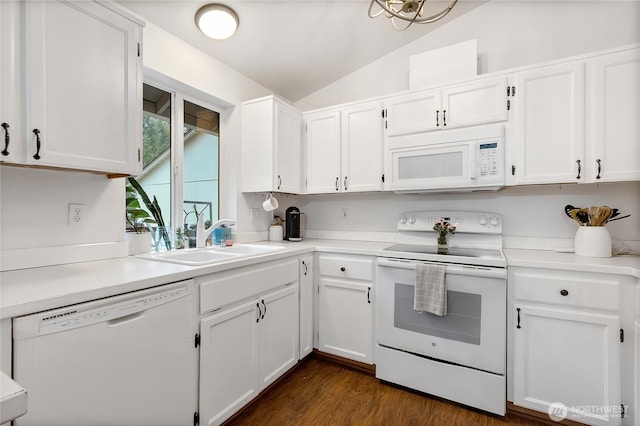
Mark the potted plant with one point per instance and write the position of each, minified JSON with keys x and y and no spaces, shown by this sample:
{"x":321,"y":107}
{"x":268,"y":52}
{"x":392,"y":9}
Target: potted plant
{"x":139,"y":220}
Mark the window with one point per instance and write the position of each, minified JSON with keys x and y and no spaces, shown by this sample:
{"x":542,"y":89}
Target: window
{"x":180,"y":167}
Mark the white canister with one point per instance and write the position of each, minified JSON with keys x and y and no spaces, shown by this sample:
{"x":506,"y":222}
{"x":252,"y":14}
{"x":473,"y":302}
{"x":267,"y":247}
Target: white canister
{"x":593,"y":241}
{"x":275,"y":233}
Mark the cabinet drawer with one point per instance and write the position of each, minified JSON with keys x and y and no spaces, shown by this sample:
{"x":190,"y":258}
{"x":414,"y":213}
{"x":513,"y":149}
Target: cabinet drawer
{"x":225,"y":288}
{"x":567,"y":288}
{"x":353,"y":267}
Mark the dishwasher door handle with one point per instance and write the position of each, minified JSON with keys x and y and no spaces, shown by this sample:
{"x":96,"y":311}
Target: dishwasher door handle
{"x":126,"y":319}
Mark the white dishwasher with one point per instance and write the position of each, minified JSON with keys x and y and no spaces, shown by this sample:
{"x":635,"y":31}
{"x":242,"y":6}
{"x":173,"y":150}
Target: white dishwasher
{"x":123,"y":360}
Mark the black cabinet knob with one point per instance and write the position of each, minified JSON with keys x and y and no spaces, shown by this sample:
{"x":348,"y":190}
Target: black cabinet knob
{"x":564,"y":292}
{"x":343,"y":269}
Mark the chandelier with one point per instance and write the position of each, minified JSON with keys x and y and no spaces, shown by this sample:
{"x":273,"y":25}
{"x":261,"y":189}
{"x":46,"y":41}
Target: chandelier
{"x":409,"y":11}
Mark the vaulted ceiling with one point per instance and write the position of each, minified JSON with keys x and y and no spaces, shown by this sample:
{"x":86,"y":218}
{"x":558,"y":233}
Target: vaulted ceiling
{"x":294,"y":47}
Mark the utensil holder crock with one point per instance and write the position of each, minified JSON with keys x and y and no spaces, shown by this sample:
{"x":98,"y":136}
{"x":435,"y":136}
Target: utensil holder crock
{"x":593,"y":241}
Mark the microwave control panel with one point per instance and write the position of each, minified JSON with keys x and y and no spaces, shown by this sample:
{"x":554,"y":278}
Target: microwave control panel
{"x":489,"y":155}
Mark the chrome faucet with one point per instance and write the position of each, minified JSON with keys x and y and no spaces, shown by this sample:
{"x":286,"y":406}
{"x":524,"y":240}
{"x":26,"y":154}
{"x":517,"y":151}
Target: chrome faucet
{"x":202,"y":233}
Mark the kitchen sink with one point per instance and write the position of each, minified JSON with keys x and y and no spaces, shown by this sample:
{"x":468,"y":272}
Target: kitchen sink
{"x":209,"y":255}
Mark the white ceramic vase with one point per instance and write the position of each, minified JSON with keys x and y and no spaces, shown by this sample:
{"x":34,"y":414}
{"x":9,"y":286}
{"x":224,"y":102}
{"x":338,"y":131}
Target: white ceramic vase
{"x":593,"y":241}
{"x":139,"y":243}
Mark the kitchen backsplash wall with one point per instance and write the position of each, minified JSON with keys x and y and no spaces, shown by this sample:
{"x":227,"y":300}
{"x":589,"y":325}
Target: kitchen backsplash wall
{"x":533,"y":216}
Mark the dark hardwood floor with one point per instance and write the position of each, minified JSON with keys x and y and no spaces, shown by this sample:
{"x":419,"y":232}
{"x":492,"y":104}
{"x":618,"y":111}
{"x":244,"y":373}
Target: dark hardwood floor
{"x":321,"y":392}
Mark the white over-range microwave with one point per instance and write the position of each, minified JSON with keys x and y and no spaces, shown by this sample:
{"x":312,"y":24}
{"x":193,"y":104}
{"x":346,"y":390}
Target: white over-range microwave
{"x":470,"y":159}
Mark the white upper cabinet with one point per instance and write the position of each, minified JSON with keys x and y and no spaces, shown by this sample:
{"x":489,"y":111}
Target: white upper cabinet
{"x":477,"y":102}
{"x":344,"y":149}
{"x":613,"y":141}
{"x":323,"y":150}
{"x":10,"y":132}
{"x":559,"y":140}
{"x":550,"y":124}
{"x":271,"y":146}
{"x":412,"y":112}
{"x":83,"y":86}
{"x":362,"y":147}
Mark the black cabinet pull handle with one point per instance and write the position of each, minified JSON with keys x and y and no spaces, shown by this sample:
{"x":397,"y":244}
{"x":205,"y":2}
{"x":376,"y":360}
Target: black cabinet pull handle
{"x":599,"y":168}
{"x":444,"y":117}
{"x":337,"y":183}
{"x":437,"y":118}
{"x":342,"y":268}
{"x":513,"y":170}
{"x":508,"y":90}
{"x":579,"y":168}
{"x":518,"y":325}
{"x":265,"y":309}
{"x":513,"y":90}
{"x":38,"y":144}
{"x":259,"y":312}
{"x":369,"y":295}
{"x":345,"y":183}
{"x":279,"y":182}
{"x":7,"y":139}
{"x":306,"y":268}
{"x":564,"y":292}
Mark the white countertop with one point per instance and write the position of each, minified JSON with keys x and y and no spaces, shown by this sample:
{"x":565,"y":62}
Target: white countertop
{"x":619,"y":265}
{"x":32,"y":290}
{"x":26,"y":291}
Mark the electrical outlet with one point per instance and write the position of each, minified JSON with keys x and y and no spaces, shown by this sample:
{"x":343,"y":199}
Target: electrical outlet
{"x":76,"y":215}
{"x":255,"y":215}
{"x":345,"y":214}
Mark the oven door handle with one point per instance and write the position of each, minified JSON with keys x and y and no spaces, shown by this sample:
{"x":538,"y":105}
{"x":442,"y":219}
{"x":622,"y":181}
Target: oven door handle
{"x":475,"y":271}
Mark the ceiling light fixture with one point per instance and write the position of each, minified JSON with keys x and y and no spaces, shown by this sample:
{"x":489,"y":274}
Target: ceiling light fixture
{"x":407,"y":10}
{"x":217,"y":21}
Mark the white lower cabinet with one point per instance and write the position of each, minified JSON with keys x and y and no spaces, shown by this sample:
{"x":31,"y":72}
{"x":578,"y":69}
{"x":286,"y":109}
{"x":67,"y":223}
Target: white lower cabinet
{"x":248,"y":344}
{"x":345,"y":305}
{"x":306,"y":306}
{"x":566,"y":344}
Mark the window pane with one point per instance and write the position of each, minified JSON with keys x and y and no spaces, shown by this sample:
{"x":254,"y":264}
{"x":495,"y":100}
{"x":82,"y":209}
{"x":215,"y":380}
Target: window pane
{"x":201,"y":148}
{"x":156,"y":145}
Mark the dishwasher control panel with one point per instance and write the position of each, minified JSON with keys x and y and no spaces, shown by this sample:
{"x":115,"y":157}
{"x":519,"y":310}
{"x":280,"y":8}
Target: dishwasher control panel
{"x":112,"y":311}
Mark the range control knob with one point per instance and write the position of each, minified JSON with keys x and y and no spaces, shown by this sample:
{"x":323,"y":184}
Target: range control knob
{"x":483,"y":221}
{"x":412,"y":219}
{"x":494,"y":221}
{"x":403,"y":220}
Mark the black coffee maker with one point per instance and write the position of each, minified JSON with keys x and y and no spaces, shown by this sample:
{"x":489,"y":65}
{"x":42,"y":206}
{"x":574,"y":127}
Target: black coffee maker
{"x":292,"y":224}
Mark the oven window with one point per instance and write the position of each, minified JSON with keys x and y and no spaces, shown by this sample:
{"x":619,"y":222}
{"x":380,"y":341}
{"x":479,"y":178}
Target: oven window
{"x":462,"y":322}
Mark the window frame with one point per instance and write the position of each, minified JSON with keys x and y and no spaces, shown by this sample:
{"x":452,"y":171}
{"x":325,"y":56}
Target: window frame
{"x":180,"y":93}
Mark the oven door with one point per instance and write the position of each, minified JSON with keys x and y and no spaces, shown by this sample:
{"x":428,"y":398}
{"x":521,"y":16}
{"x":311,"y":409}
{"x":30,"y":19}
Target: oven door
{"x":472,"y":334}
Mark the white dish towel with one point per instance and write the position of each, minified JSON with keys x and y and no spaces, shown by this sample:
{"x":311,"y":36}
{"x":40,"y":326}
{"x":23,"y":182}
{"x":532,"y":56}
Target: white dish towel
{"x":431,"y":291}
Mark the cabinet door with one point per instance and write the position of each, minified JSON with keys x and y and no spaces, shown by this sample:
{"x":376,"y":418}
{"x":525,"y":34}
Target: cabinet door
{"x":306,"y":306}
{"x":84,"y":87}
{"x":362,"y":147}
{"x":614,"y":136}
{"x":228,"y":362}
{"x":568,"y":357}
{"x":345,"y":322}
{"x":288,"y":145}
{"x":550,"y":124}
{"x":323,"y":152}
{"x":279,"y":333}
{"x":413,"y":112}
{"x":479,"y":102}
{"x":11,"y":146}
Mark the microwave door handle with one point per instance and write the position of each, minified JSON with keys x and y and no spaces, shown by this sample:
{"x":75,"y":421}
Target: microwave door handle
{"x":473,"y":160}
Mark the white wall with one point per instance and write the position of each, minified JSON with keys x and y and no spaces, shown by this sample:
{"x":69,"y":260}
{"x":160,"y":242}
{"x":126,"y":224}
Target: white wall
{"x":533,"y":216}
{"x":34,"y":203}
{"x":510,"y":33}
